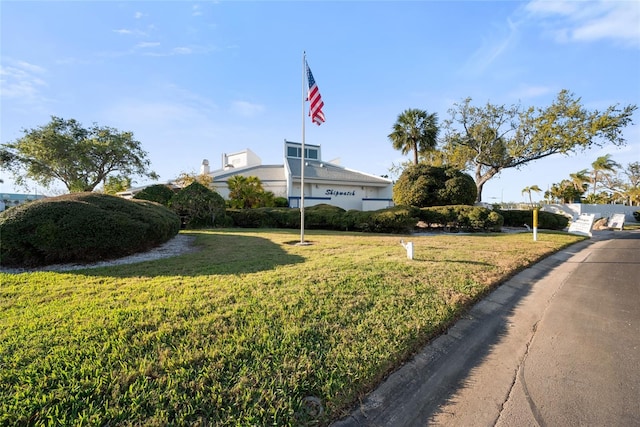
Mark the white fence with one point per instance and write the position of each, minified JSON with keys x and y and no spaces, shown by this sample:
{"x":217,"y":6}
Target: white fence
{"x":574,"y":210}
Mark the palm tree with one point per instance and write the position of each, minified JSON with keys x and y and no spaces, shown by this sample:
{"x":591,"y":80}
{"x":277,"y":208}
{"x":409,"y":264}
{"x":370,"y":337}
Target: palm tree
{"x":245,"y":191}
{"x":415,"y":130}
{"x":529,"y":190}
{"x":602,"y":166}
{"x":580,"y":179}
{"x":580,"y":182}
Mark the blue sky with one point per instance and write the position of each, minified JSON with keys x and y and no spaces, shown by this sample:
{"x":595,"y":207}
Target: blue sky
{"x":194,"y":80}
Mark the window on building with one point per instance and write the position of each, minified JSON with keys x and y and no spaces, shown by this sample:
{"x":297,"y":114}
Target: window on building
{"x":309,"y":153}
{"x":293,"y":152}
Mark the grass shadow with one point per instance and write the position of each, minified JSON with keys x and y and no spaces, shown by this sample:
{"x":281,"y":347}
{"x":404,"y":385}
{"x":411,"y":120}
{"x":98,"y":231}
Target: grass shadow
{"x":217,"y":254}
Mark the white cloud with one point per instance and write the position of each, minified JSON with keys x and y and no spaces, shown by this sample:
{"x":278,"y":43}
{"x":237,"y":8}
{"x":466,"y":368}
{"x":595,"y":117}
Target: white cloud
{"x":573,"y":21}
{"x":182,"y":50}
{"x":493,"y":48}
{"x":195,"y":10}
{"x":528,"y":92}
{"x":246,"y":109}
{"x":21,"y":81}
{"x":138,"y":15}
{"x":144,"y":45}
{"x":128,"y":32}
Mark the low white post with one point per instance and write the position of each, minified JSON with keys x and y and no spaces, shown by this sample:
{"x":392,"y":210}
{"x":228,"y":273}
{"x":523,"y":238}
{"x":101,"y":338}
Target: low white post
{"x":409,"y":247}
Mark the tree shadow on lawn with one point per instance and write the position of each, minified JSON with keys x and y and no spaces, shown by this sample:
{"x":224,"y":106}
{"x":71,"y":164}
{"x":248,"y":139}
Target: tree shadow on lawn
{"x":212,"y":254}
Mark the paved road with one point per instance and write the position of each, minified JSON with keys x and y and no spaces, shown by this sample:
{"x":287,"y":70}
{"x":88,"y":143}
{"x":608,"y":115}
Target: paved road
{"x":557,"y":345}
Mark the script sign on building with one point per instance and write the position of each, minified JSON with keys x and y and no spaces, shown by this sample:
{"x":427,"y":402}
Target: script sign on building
{"x":582,"y":225}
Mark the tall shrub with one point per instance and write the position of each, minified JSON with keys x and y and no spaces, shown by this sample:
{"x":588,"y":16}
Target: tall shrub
{"x":198,"y":206}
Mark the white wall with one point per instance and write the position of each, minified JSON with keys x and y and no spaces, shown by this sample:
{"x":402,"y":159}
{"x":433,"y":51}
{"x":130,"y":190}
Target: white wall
{"x":374,"y":205}
{"x":574,"y":210}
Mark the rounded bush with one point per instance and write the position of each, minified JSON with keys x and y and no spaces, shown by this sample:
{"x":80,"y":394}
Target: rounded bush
{"x":324,"y":217}
{"x":82,"y":227}
{"x":198,"y":206}
{"x":159,"y":193}
{"x":423,"y":185}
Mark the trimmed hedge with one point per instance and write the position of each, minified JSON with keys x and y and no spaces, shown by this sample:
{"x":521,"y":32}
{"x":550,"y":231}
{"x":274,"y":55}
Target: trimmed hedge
{"x":461,"y":217}
{"x":546,"y":220}
{"x":82,"y":227}
{"x":397,"y":219}
{"x":327,"y":217}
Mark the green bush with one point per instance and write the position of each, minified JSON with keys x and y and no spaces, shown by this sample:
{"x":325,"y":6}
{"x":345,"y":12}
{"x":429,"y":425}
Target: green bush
{"x":281,"y":202}
{"x":546,"y":220}
{"x":82,"y":227}
{"x":461,"y":217}
{"x":198,"y":206}
{"x":253,"y":218}
{"x":159,"y":193}
{"x":325,"y":217}
{"x":423,"y":185}
{"x":397,"y":219}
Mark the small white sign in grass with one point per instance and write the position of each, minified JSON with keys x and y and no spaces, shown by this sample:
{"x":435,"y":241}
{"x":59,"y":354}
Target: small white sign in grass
{"x":616,"y":221}
{"x":582,"y":225}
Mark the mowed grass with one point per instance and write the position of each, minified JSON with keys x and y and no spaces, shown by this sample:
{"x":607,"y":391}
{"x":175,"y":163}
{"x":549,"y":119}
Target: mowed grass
{"x":250,"y":330}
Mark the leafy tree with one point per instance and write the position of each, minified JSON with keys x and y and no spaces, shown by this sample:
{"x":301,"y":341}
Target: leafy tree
{"x":631,"y":189}
{"x":632,"y":171}
{"x":616,"y":187}
{"x":184,"y":179}
{"x":80,"y":158}
{"x":564,"y":192}
{"x":423,"y":185}
{"x":492,"y":138}
{"x":113,"y":184}
{"x":246,"y":192}
{"x":415,"y":130}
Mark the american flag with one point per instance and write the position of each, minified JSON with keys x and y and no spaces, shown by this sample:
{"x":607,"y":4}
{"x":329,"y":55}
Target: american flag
{"x":313,"y":96}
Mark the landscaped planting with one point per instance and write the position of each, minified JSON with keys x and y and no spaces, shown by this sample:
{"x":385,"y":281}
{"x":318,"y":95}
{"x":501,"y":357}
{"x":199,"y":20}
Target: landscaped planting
{"x":250,"y":330}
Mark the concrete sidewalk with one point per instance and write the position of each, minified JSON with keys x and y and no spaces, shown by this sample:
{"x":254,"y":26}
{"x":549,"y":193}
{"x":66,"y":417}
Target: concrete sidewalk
{"x":468,"y":376}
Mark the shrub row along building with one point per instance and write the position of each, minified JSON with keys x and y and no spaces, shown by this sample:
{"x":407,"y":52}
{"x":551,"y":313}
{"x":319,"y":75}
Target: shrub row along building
{"x":324,"y":182}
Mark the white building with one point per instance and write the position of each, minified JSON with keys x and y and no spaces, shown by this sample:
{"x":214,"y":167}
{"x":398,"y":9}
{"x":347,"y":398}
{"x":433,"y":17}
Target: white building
{"x":324,"y":182}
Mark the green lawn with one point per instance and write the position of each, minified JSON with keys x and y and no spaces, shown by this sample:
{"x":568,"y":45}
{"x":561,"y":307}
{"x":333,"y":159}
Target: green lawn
{"x":241,"y":332}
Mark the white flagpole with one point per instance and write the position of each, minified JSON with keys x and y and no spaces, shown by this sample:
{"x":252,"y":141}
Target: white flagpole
{"x":304,"y":97}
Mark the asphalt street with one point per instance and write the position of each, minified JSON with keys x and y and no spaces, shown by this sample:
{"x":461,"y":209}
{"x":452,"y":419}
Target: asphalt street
{"x":557,"y":345}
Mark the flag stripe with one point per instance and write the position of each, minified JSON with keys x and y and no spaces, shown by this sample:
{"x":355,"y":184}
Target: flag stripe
{"x":314,"y":98}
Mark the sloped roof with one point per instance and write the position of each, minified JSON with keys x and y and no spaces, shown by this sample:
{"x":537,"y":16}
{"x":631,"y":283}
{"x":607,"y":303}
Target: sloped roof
{"x":265,"y":173}
{"x":322,"y":171}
